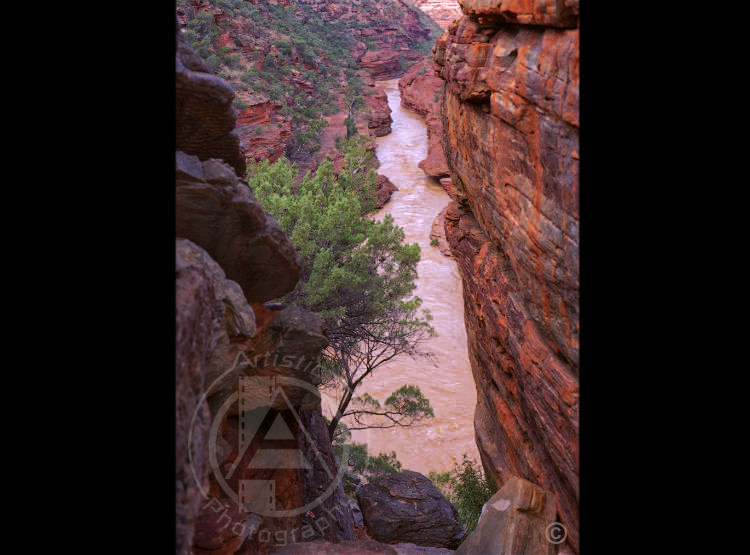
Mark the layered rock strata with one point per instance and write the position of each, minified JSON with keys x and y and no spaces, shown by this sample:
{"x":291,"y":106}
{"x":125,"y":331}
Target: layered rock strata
{"x":510,"y":124}
{"x":378,"y":113}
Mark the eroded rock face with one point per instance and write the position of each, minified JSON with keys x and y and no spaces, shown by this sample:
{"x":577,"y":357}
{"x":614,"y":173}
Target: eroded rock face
{"x":384,"y":191}
{"x":376,"y":26}
{"x":422,"y":91}
{"x":510,"y":124}
{"x":222,"y":527}
{"x":552,"y":13}
{"x":227,"y":354}
{"x":437,"y":232}
{"x":205,"y":118}
{"x":217,"y":211}
{"x":196,"y":325}
{"x":407,"y":508}
{"x":263,"y":131}
{"x":514,"y":521}
{"x":379,"y":116}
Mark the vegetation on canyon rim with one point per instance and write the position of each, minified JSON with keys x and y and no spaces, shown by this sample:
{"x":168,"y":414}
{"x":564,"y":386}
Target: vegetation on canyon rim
{"x":297,"y":59}
{"x":358,"y":274}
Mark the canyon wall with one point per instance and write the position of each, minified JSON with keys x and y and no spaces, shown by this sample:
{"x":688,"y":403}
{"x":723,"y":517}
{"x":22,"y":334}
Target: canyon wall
{"x":231,"y":257}
{"x":510,"y":137}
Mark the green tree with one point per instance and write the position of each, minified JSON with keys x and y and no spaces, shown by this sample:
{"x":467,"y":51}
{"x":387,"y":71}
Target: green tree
{"x":357,"y":273}
{"x":353,"y":102}
{"x":468,"y":488}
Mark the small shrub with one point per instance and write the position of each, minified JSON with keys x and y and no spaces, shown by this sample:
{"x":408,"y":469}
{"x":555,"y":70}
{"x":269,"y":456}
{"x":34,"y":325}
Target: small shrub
{"x":213,"y":62}
{"x":232,"y":61}
{"x":360,"y":462}
{"x":240,"y":103}
{"x":467,"y":487}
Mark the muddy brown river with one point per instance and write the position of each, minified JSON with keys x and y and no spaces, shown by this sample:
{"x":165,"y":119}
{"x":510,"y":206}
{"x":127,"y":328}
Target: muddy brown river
{"x":448,"y":384}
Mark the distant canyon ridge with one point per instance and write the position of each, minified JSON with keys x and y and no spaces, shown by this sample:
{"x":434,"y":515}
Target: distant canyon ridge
{"x":444,"y":12}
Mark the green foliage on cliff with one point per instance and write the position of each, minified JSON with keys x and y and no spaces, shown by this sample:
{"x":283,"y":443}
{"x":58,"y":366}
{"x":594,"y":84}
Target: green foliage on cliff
{"x":292,"y":54}
{"x":467,"y":487}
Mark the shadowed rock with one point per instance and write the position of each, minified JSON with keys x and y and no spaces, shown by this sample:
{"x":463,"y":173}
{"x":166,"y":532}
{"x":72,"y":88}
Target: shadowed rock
{"x":220,"y":214}
{"x":407,"y":507}
{"x":238,"y":317}
{"x":205,"y":118}
{"x":222,"y":527}
{"x":196,"y":324}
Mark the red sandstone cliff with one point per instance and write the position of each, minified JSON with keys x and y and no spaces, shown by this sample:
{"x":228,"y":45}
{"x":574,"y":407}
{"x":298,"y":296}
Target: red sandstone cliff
{"x":510,"y":121}
{"x":422,"y":91}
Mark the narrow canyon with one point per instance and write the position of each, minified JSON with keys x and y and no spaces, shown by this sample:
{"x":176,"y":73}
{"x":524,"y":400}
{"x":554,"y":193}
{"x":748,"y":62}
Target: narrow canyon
{"x":446,"y":381}
{"x":333,"y":160}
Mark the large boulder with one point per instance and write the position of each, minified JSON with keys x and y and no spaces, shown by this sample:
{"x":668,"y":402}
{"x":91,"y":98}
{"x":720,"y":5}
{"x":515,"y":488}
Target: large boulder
{"x":518,"y":520}
{"x":218,"y":212}
{"x":407,"y":507}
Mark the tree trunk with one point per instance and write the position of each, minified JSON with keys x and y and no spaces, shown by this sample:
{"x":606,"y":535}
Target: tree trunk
{"x":342,"y":407}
